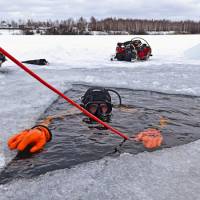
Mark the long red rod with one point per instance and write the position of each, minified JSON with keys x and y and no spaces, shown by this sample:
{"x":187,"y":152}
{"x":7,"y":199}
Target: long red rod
{"x":61,"y":94}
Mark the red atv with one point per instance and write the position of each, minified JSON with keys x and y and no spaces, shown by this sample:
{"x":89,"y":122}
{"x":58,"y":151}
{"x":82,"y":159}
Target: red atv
{"x":135,"y":49}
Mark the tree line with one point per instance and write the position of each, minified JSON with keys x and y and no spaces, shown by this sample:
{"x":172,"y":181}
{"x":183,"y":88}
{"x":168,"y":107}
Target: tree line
{"x":107,"y":25}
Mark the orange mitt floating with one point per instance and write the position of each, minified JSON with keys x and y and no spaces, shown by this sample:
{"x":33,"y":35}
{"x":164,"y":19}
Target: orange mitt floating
{"x":36,"y":138}
{"x":151,"y":138}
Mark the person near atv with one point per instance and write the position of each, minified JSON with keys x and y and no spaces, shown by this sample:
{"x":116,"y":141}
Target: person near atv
{"x":125,"y":51}
{"x":97,"y":101}
{"x":120,"y":51}
{"x":2,"y":59}
{"x":143,"y":51}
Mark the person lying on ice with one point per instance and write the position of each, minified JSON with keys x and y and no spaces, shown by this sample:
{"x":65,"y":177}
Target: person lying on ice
{"x":97,"y":101}
{"x":2,"y":59}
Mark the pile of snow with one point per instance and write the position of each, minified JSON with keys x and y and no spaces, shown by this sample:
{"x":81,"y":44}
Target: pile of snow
{"x":193,"y":53}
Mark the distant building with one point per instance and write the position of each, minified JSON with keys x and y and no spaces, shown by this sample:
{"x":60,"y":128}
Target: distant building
{"x":4,"y":24}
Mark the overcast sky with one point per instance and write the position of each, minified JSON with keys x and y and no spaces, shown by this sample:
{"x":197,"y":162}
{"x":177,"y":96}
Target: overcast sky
{"x":62,"y":9}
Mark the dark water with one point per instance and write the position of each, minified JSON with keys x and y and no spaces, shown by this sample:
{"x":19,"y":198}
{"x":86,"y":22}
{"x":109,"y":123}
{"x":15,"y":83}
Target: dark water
{"x":75,"y":142}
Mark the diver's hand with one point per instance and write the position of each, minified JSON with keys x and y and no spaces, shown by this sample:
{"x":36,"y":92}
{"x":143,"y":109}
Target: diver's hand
{"x":151,"y":138}
{"x":36,"y":138}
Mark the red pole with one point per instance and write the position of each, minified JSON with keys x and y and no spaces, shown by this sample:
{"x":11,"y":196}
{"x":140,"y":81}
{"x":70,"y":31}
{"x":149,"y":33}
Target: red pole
{"x":62,"y":95}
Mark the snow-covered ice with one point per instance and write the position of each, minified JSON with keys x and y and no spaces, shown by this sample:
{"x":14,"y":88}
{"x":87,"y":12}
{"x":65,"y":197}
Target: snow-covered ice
{"x":167,"y":174}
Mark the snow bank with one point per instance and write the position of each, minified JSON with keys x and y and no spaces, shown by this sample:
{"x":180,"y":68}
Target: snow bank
{"x":193,"y":53}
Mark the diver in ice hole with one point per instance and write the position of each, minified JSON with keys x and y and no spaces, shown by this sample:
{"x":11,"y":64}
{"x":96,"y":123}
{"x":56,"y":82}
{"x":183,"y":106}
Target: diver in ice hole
{"x":97,"y":101}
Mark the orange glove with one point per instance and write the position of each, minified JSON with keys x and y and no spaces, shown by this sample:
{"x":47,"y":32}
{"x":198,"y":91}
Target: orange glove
{"x":36,"y":137}
{"x":151,"y":138}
